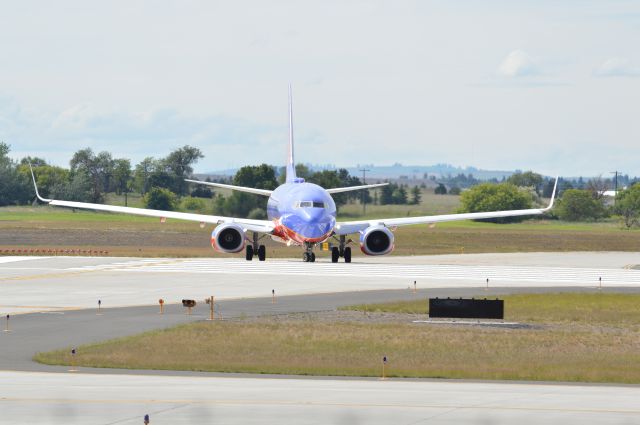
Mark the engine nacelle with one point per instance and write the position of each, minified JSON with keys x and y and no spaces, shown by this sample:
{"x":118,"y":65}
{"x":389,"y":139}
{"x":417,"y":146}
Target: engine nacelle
{"x":228,"y":238}
{"x":376,"y":240}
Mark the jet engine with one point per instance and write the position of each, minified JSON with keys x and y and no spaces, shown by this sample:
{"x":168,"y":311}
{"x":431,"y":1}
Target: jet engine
{"x":376,"y":240}
{"x":228,"y":238}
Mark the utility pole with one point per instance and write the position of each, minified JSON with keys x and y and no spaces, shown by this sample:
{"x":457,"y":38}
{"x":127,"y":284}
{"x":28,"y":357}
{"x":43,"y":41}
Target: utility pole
{"x":615,"y":185}
{"x":364,"y":199}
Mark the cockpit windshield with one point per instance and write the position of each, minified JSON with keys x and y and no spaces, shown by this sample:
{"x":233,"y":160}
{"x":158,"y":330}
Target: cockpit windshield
{"x":309,"y":204}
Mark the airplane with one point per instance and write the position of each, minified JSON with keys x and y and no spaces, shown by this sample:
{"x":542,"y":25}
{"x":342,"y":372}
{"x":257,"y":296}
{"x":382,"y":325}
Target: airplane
{"x":300,"y":214}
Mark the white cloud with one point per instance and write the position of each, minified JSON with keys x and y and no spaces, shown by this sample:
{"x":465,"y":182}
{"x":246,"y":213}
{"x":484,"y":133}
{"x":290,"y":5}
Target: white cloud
{"x":617,"y":67}
{"x":517,"y":64}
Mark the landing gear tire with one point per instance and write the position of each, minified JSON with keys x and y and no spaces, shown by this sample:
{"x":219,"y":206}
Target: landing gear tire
{"x":262,"y":253}
{"x":312,"y":257}
{"x":335,"y":254}
{"x":347,"y":254}
{"x":305,"y":257}
{"x":249,"y":253}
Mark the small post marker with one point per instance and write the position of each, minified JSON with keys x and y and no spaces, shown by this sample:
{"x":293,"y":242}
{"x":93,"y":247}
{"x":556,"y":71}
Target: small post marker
{"x":600,"y":283}
{"x":161,"y":302}
{"x":384,"y":367}
{"x":73,"y":361}
{"x":273,"y":296}
{"x":99,"y":312}
{"x":146,"y":419}
{"x":210,"y":301}
{"x":6,"y":328}
{"x":487,"y":287}
{"x":415,"y":289}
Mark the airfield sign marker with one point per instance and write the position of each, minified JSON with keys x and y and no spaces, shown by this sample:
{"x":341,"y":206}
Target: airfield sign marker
{"x":73,"y":360}
{"x":6,"y":328}
{"x":384,"y":367}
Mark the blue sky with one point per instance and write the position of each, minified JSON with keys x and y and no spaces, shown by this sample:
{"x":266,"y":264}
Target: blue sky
{"x":543,"y":85}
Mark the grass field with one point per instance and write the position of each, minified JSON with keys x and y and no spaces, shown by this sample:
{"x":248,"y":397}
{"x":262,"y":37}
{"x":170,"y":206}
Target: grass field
{"x":46,"y":227}
{"x":595,"y":338}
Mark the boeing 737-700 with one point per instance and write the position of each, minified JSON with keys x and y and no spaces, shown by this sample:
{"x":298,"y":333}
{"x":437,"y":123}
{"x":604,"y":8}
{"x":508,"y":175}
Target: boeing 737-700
{"x":299,"y":213}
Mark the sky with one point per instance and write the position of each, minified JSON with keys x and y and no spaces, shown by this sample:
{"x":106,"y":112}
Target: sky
{"x":543,"y":85}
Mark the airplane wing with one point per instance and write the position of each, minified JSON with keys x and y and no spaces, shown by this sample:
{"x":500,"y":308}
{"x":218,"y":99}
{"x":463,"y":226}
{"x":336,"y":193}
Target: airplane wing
{"x":263,"y":192}
{"x":347,"y":227}
{"x":350,"y":188}
{"x":262,"y":226}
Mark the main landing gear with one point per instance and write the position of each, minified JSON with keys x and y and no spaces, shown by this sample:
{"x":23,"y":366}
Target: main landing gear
{"x":308,"y":256}
{"x":255,"y":249}
{"x":341,"y":251}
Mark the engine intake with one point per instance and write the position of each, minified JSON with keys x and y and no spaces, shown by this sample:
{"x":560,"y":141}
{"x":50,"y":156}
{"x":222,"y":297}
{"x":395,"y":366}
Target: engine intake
{"x":376,"y":240}
{"x":228,"y":238}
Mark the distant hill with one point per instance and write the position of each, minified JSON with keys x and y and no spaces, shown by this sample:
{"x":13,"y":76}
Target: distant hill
{"x":399,"y":171}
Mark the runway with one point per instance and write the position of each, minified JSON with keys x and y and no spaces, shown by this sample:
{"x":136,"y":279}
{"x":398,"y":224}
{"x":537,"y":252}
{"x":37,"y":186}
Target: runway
{"x":41,"y":398}
{"x":60,"y":296}
{"x":62,"y":283}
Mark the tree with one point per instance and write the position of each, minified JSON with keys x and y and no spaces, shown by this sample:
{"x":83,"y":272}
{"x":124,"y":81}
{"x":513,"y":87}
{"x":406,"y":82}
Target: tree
{"x":579,"y":205}
{"x":455,"y":190}
{"x":386,"y":194}
{"x":159,"y":198}
{"x":79,"y":188}
{"x":142,"y":173}
{"x":488,"y":197}
{"x":526,"y":179}
{"x":400,"y":195}
{"x":416,"y":195}
{"x":14,"y":186}
{"x":597,"y":187}
{"x":99,"y":168}
{"x":240,"y":204}
{"x":628,"y":206}
{"x":179,"y":163}
{"x":262,"y":176}
{"x":121,"y":175}
{"x":440,"y":190}
{"x":47,"y":176}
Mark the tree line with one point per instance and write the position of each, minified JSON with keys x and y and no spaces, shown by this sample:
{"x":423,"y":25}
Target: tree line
{"x":161,"y":182}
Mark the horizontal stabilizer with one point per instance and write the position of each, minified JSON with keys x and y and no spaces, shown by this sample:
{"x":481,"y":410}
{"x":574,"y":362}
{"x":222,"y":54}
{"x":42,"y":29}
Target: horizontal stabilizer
{"x":263,"y":192}
{"x":350,"y":188}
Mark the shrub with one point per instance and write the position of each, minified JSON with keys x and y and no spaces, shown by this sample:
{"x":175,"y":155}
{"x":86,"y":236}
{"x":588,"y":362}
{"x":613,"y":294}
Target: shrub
{"x":488,"y":197}
{"x":161,"y":199}
{"x":579,"y":205}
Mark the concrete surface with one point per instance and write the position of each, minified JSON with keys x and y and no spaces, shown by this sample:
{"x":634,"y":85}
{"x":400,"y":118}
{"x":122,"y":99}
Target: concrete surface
{"x":62,"y":283}
{"x":41,"y":398}
{"x":50,"y":288}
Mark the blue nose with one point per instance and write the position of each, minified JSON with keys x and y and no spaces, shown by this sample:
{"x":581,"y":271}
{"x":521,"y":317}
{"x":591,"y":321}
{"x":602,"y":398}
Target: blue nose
{"x":313,"y":223}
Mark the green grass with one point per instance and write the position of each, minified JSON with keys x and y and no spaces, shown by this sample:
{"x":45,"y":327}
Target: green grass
{"x":51,"y":227}
{"x":578,"y":308}
{"x":596,"y":338}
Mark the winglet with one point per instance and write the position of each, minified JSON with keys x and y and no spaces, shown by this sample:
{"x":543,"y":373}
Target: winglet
{"x":36,"y":186}
{"x":553,"y":195}
{"x":291,"y":166}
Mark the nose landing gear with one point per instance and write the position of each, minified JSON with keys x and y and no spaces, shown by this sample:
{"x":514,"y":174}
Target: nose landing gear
{"x":308,"y":256}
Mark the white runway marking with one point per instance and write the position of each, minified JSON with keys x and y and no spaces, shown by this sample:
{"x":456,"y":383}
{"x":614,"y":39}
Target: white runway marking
{"x":478,"y":273}
{"x":4,"y":260}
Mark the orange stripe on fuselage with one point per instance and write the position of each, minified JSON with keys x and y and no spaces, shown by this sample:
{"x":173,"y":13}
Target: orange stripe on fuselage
{"x":285,"y":233}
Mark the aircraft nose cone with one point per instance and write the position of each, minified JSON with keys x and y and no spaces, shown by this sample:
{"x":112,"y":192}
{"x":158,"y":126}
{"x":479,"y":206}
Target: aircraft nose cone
{"x":310,"y":224}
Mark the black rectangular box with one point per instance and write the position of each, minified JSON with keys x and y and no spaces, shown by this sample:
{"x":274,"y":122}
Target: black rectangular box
{"x":466,"y":308}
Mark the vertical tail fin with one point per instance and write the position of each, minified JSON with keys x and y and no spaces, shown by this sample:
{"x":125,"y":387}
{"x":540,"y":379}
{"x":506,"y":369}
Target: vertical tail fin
{"x":291,"y":165}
